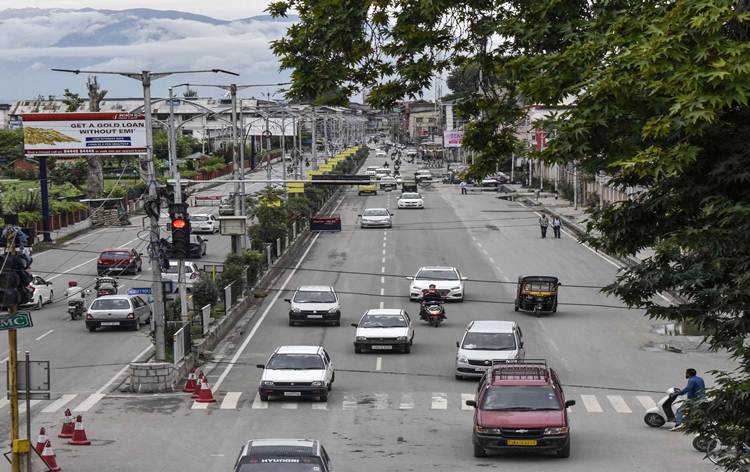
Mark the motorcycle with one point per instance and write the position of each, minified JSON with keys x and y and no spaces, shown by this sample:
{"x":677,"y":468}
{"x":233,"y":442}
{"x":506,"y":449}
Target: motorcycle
{"x":432,"y":312}
{"x":75,"y":309}
{"x":663,"y":412}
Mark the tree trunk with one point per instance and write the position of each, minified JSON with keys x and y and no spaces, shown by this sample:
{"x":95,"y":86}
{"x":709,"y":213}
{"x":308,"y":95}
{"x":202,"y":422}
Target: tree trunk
{"x":94,"y":174}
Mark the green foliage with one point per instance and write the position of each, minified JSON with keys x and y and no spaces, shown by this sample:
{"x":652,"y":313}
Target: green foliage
{"x":73,"y":172}
{"x":11,"y":144}
{"x":232,"y":272}
{"x":205,"y":291}
{"x":20,"y":202}
{"x":72,"y":101}
{"x":255,"y":261}
{"x":161,"y":146}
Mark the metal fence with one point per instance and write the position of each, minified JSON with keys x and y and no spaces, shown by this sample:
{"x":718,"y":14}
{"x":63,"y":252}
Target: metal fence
{"x":179,"y":340}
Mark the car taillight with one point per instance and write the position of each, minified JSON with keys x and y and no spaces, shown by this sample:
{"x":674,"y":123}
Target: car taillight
{"x":89,"y":317}
{"x":31,"y":287}
{"x":131,"y":316}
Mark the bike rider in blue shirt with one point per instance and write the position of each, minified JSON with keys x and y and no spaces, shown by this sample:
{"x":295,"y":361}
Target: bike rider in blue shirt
{"x":695,"y":388}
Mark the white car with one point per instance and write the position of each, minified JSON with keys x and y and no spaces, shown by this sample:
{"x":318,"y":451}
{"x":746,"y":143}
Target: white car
{"x":447,"y":280}
{"x":485,"y":341}
{"x":41,"y":292}
{"x":388,"y":183}
{"x":204,"y":223}
{"x":191,"y":274}
{"x":314,"y":303}
{"x":385,"y":329}
{"x":411,"y":200}
{"x":297,"y":371}
{"x":380,"y":154}
{"x":375,"y":218}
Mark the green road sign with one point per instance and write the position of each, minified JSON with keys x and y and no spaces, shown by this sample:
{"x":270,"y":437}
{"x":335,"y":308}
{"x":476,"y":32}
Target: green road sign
{"x":22,"y":319}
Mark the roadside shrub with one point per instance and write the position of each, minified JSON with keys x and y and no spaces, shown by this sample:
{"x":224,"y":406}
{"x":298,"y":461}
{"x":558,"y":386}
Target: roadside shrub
{"x":255,"y":262}
{"x":232,"y":272}
{"x":205,"y":291}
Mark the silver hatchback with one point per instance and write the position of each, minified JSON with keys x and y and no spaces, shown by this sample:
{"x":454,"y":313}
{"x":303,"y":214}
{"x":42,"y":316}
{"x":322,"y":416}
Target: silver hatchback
{"x":118,"y":310}
{"x":376,"y":218}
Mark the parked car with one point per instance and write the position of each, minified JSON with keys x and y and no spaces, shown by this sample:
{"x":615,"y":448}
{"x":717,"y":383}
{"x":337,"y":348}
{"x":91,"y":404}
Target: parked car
{"x":192,"y":273}
{"x":118,"y":310}
{"x":448,"y":281}
{"x":485,"y":341}
{"x":204,"y":223}
{"x":122,"y":260}
{"x":520,"y":405}
{"x":314,"y":303}
{"x":375,"y":218}
{"x":271,"y":455}
{"x":297,"y":371}
{"x":410,"y":200}
{"x":41,"y":292}
{"x":385,"y":329}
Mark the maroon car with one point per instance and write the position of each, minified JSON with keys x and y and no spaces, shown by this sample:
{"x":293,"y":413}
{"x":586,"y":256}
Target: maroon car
{"x":520,"y":405}
{"x":122,"y":260}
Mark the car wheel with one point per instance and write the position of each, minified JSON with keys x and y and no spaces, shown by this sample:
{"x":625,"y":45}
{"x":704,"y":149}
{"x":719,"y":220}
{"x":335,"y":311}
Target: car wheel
{"x":407,"y":349}
{"x":460,"y":377}
{"x":324,"y":397}
{"x":515,"y":307}
{"x":291,"y":323}
{"x":359,"y":193}
{"x":99,"y":273}
{"x":137,"y":325}
{"x":140,"y":267}
{"x":357,"y":350}
{"x":479,"y":451}
{"x":564,"y":453}
{"x":51,"y":295}
{"x":263,"y":398}
{"x":39,"y":303}
{"x":148,"y":320}
{"x":91,"y":328}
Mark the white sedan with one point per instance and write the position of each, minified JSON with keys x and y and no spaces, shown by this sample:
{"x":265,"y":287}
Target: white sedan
{"x":192,"y":274}
{"x":411,"y":200}
{"x":204,"y":223}
{"x":385,"y":329}
{"x":41,"y":292}
{"x":448,"y":280}
{"x":297,"y":371}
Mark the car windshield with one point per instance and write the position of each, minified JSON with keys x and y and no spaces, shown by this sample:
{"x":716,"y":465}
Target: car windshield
{"x":198,"y":218}
{"x":410,"y":195}
{"x":520,"y":398}
{"x":115,"y":255}
{"x":282,"y":464}
{"x":173,"y":269}
{"x":383,"y":321}
{"x":295,"y":362}
{"x":538,"y":286}
{"x":314,"y":297}
{"x":429,"y":274}
{"x":375,"y":212}
{"x":489,"y":342}
{"x":110,"y":304}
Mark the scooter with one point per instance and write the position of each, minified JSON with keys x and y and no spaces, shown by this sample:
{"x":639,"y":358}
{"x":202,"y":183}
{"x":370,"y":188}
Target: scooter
{"x":75,"y":309}
{"x":433,"y":313}
{"x":663,"y":412}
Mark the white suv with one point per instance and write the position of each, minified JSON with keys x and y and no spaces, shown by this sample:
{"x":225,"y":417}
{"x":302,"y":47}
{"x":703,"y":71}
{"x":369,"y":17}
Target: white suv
{"x":297,"y":371}
{"x":447,"y":280}
{"x":485,"y":341}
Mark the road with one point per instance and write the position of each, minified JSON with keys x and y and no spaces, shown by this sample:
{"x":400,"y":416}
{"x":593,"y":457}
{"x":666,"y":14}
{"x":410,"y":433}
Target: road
{"x":404,"y":412}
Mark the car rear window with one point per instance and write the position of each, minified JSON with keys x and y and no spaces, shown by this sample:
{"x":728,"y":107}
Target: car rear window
{"x":110,"y":304}
{"x":199,"y":218}
{"x":314,"y":297}
{"x":489,"y":342}
{"x":437,"y":275}
{"x":383,"y":321}
{"x":540,"y":286}
{"x":173,"y":269}
{"x":115,"y":255}
{"x":520,"y":398}
{"x":295,"y":361}
{"x":375,"y":212}
{"x":410,"y":195}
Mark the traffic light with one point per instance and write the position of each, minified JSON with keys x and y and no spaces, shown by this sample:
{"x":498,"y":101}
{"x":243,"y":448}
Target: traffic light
{"x":180,"y":223}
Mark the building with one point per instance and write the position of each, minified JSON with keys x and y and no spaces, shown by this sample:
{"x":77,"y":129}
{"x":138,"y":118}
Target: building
{"x":423,"y":121}
{"x":4,"y":115}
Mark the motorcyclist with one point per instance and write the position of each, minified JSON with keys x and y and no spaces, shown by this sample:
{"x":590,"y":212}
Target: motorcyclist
{"x":74,"y":292}
{"x":696,"y":388}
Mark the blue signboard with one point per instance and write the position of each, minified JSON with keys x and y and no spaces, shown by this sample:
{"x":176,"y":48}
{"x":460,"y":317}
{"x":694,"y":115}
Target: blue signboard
{"x":139,"y":291}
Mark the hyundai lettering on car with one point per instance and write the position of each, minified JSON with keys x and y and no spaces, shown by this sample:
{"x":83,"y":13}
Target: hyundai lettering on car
{"x":314,"y":304}
{"x":276,"y":455}
{"x":385,"y":329}
{"x":297,"y":371}
{"x":447,"y":280}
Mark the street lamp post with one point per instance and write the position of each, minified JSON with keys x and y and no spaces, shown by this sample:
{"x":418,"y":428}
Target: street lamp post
{"x":147,"y":164}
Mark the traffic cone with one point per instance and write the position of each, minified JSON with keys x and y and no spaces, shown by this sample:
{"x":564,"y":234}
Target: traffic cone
{"x":79,"y":434}
{"x":41,"y":441}
{"x":68,"y":425}
{"x":198,"y":384}
{"x":191,"y":385}
{"x":48,"y":456}
{"x":205,"y":395}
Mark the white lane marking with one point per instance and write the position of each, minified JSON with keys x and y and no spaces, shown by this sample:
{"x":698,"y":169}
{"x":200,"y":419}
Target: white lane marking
{"x":407,"y":402}
{"x":84,"y":263}
{"x":646,"y":401}
{"x":320,"y":406}
{"x":89,"y":402}
{"x":552,"y":343}
{"x":289,"y":405}
{"x":384,"y":260}
{"x":252,"y":332}
{"x":384,"y":252}
{"x":381,"y":401}
{"x":473,"y":237}
{"x":349,"y":403}
{"x":382,"y":270}
{"x":439,"y":401}
{"x":484,"y":251}
{"x":22,"y":405}
{"x":45,"y":334}
{"x":591,"y":404}
{"x":137,"y":276}
{"x":259,"y":404}
{"x":382,"y":291}
{"x":464,"y":397}
{"x":381,"y":305}
{"x":378,"y":363}
{"x":59,"y":403}
{"x":505,"y":277}
{"x":230,"y":401}
{"x":479,"y":244}
{"x":492,"y":260}
{"x":382,"y":279}
{"x":618,"y":403}
{"x":199,"y":406}
{"x":384,"y":244}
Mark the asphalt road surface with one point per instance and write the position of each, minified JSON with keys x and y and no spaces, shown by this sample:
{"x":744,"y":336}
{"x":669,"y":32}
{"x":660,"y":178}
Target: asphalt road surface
{"x":395,"y":412}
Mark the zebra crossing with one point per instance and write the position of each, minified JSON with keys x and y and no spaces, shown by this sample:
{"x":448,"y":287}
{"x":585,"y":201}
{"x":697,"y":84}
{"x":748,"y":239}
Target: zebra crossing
{"x":78,"y":403}
{"x":404,"y":401}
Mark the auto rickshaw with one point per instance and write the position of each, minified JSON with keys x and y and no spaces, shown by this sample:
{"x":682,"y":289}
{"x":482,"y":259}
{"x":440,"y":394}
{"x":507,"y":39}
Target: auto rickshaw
{"x":105,"y":286}
{"x":537,"y":293}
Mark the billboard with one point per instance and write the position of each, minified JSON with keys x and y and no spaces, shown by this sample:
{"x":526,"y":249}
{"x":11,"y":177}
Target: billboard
{"x":452,"y":139}
{"x":74,"y":134}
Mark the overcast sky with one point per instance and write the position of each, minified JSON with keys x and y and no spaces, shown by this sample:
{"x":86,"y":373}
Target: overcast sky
{"x":229,"y":10}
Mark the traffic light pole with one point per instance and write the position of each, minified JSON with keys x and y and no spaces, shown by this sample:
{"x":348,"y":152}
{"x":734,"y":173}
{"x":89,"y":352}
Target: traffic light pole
{"x":182,"y":291}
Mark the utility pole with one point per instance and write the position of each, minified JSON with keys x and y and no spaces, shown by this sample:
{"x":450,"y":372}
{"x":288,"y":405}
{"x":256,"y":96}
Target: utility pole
{"x":177,"y":200}
{"x":314,"y":139}
{"x":10,"y":251}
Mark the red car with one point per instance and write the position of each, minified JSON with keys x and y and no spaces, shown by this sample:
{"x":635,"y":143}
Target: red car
{"x":520,"y":405}
{"x":122,"y":260}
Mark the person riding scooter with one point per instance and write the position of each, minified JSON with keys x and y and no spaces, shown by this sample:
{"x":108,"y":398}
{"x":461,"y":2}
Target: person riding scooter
{"x":76,"y":299}
{"x":430,"y":296}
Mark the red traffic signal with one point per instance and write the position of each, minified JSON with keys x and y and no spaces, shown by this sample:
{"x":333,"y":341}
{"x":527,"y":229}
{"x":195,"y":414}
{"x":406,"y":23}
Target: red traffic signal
{"x":179,"y":224}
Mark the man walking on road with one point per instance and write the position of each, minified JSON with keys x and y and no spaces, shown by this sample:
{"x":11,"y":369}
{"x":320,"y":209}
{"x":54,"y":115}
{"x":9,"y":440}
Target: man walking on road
{"x":463,"y":187}
{"x":543,"y":224}
{"x":556,"y":226}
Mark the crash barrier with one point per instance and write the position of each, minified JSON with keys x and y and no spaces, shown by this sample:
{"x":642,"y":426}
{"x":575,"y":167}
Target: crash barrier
{"x":325,"y":223}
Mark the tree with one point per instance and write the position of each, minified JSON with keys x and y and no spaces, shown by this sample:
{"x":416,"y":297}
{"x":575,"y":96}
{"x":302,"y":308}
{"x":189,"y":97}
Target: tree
{"x":95,"y":175}
{"x":11,"y":144}
{"x":661,"y":93}
{"x":463,"y":81}
{"x":72,"y":101}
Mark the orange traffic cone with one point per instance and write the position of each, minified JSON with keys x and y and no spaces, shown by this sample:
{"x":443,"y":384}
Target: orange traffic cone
{"x":48,"y":456}
{"x":42,"y":440}
{"x":205,"y":395}
{"x":68,"y":425}
{"x":191,"y":385}
{"x":198,"y":384}
{"x":79,"y":434}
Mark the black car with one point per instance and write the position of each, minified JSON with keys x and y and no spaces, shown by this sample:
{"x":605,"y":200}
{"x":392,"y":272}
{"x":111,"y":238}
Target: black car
{"x":272,"y":455}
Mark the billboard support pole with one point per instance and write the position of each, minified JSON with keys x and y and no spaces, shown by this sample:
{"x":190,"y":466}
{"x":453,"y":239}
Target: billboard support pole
{"x":46,"y":233}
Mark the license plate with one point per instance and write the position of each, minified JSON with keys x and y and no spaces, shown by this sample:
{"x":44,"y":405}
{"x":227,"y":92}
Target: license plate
{"x":110,"y":323}
{"x":382,"y":347}
{"x":292,"y":394}
{"x":315,"y":316}
{"x":521,"y":442}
